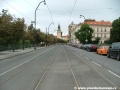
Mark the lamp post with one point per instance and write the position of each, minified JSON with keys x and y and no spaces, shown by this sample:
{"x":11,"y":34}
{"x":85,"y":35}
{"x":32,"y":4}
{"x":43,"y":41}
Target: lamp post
{"x":86,"y":29}
{"x":36,"y":10}
{"x":49,"y":27}
{"x":35,"y":20}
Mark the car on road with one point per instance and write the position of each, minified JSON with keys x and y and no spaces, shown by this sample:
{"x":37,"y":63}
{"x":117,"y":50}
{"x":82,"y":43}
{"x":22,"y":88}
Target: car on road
{"x":85,"y":46}
{"x":91,"y":47}
{"x":114,"y":51}
{"x":103,"y":50}
{"x":80,"y":46}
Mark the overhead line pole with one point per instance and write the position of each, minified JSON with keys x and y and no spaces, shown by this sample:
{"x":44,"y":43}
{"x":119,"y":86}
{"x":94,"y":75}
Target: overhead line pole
{"x":35,"y":21}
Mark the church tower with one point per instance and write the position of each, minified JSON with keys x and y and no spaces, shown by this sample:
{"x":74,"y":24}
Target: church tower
{"x":59,"y":32}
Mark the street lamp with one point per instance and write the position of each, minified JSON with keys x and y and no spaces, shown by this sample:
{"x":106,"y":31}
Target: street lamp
{"x":48,"y":30}
{"x":36,"y":10}
{"x":35,"y":19}
{"x":86,"y":29}
{"x":49,"y":26}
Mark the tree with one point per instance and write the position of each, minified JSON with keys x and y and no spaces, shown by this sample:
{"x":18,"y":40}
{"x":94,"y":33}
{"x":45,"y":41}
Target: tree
{"x":30,"y":34}
{"x":85,"y":33}
{"x":5,"y":25}
{"x":115,"y":31}
{"x":96,"y":41}
{"x":11,"y":29}
{"x":51,"y":38}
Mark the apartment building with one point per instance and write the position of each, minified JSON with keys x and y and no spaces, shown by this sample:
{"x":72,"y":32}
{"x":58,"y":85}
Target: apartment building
{"x":101,"y":29}
{"x":71,"y":30}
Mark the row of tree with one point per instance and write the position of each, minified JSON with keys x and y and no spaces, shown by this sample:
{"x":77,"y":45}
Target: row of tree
{"x":84,"y":34}
{"x":14,"y":31}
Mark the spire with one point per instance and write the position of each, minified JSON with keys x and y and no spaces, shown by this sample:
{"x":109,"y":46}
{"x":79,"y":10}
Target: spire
{"x":59,"y":27}
{"x":72,"y":23}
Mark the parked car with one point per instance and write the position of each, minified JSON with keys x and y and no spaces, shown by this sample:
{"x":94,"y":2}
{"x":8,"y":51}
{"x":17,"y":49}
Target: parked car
{"x":102,"y":50}
{"x":84,"y":46}
{"x":91,"y":47}
{"x":80,"y":46}
{"x":114,"y":51}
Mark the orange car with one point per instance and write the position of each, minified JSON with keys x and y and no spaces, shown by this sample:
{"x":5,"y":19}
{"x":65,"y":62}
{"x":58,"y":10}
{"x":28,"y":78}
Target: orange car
{"x":102,"y":50}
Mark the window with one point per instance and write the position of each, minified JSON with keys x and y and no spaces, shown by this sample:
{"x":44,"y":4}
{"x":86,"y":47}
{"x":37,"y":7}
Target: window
{"x":105,"y":29}
{"x":97,"y":29}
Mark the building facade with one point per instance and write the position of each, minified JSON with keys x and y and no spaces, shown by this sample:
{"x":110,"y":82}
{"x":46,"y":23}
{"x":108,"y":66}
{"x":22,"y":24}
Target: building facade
{"x":101,"y":29}
{"x":72,"y":28}
{"x":59,"y":34}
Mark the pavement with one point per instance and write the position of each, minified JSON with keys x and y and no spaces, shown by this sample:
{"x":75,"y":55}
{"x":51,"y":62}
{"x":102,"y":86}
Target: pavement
{"x":10,"y":53}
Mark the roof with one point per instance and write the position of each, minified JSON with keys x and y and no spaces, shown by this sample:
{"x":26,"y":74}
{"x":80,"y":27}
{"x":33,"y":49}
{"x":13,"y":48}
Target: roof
{"x":93,"y":22}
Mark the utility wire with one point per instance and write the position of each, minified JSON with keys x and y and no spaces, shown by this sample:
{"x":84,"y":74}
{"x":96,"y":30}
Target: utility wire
{"x":16,"y":9}
{"x":50,"y":12}
{"x":41,"y":9}
{"x":72,"y":10}
{"x":29,"y":3}
{"x":51,"y":15}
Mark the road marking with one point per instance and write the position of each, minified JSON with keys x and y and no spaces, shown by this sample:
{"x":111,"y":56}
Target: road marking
{"x":21,"y":64}
{"x":96,"y":63}
{"x":114,"y":74}
{"x":107,"y":79}
{"x":81,"y":54}
{"x":71,"y":69}
{"x":44,"y":73}
{"x":86,"y":58}
{"x":98,"y":72}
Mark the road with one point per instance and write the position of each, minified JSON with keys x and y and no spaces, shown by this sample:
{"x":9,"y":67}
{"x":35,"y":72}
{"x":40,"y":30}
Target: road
{"x":59,"y":67}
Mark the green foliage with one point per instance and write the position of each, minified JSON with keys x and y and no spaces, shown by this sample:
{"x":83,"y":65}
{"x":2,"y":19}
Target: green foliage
{"x":108,"y":42}
{"x":13,"y":31}
{"x":115,"y":31}
{"x":84,"y":33}
{"x":96,"y":41}
{"x":61,"y":41}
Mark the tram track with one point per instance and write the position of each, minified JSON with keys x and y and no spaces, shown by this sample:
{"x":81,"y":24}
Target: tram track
{"x":44,"y":73}
{"x":26,"y":64}
{"x":77,"y":83}
{"x":98,"y":72}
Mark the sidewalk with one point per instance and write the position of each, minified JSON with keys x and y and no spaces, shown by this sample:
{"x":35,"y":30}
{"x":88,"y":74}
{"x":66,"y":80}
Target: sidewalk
{"x":10,"y":53}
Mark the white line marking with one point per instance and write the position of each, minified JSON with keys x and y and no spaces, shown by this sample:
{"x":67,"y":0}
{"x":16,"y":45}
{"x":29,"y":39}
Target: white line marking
{"x":71,"y":69}
{"x":114,"y":74}
{"x":96,"y":63}
{"x":21,"y":64}
{"x":81,"y":55}
{"x":107,"y":79}
{"x":86,"y":58}
{"x":98,"y":72}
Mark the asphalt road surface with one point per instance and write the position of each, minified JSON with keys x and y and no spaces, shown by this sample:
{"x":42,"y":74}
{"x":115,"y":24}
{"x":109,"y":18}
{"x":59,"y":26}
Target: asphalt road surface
{"x":60,"y":67}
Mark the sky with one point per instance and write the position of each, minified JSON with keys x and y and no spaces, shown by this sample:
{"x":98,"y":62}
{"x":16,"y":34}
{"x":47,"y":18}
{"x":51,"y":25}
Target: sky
{"x":61,"y":12}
